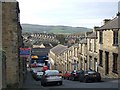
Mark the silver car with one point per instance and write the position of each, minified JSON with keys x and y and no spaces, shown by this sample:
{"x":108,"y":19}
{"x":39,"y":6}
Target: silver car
{"x":51,"y":76}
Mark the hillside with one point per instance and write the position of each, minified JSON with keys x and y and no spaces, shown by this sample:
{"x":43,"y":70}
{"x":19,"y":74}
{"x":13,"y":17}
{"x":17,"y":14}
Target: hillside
{"x":53,"y":29}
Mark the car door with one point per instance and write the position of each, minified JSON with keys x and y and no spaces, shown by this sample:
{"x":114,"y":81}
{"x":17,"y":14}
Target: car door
{"x":81,"y":76}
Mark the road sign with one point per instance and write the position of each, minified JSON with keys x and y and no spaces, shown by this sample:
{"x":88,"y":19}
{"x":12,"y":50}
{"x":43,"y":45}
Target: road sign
{"x":25,"y":52}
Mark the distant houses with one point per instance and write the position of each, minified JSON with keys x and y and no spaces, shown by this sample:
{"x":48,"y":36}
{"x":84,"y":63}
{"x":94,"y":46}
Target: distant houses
{"x":99,"y":50}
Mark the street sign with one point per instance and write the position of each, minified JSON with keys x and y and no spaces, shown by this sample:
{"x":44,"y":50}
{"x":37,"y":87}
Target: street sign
{"x":25,"y":52}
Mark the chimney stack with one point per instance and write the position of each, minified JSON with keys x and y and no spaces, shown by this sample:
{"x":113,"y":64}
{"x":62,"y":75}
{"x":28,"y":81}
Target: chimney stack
{"x":106,"y":21}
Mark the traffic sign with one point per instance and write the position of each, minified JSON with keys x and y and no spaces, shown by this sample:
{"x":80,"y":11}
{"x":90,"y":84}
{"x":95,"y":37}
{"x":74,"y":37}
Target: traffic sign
{"x":25,"y":52}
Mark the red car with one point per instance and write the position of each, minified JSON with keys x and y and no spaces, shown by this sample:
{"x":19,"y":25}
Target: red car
{"x":66,"y":75}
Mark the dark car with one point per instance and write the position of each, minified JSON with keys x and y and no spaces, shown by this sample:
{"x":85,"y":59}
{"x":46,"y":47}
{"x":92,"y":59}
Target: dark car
{"x":35,"y":72}
{"x":38,"y":75}
{"x":89,"y":76}
{"x":75,"y":74}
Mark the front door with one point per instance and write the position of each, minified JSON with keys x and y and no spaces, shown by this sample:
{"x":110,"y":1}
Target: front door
{"x":106,"y":63}
{"x":95,"y":64}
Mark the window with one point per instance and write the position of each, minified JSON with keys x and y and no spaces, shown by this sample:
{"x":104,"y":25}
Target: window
{"x":115,"y":37}
{"x":74,"y":51}
{"x":85,"y":49}
{"x":100,"y":37}
{"x":100,"y":58}
{"x":94,"y":45}
{"x":70,"y":53}
{"x":95,"y":64}
{"x":81,"y":48}
{"x":115,"y":58}
{"x":90,"y":45}
{"x":81,"y":64}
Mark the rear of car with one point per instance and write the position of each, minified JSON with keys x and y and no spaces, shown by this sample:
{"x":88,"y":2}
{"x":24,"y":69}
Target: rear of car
{"x":75,"y":75}
{"x":39,"y":75}
{"x":51,"y":76}
{"x":35,"y":72}
{"x":90,"y":76}
{"x":66,"y":75}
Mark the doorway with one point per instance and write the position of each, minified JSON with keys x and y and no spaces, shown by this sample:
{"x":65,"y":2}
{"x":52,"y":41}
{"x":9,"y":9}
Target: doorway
{"x":106,"y":63}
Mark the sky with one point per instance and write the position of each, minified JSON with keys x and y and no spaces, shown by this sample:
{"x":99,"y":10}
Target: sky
{"x":76,"y":13}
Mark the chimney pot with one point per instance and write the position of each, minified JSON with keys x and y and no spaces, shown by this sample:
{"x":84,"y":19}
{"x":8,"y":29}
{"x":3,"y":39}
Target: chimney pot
{"x":106,"y":20}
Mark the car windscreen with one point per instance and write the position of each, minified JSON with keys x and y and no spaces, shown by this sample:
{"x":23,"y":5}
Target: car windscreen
{"x":80,"y":71}
{"x":90,"y":72}
{"x":52,"y":73}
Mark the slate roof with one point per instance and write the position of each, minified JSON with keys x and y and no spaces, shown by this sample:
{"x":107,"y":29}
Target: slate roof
{"x":83,"y":41}
{"x":58,"y":49}
{"x":92,"y":35}
{"x":76,"y":45}
{"x":113,"y":24}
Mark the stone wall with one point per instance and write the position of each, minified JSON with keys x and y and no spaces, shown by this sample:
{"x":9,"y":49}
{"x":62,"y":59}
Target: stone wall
{"x":11,"y":42}
{"x":107,"y":46}
{"x":0,"y":45}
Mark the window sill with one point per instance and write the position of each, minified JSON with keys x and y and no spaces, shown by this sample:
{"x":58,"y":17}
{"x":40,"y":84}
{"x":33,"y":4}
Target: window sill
{"x":115,"y":45}
{"x":90,"y":50}
{"x":100,"y":65}
{"x":115,"y":72}
{"x":100,"y":43}
{"x":95,"y":51}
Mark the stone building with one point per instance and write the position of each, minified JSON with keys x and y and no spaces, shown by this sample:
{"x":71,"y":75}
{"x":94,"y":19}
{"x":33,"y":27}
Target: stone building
{"x":92,"y":52}
{"x":74,"y":56}
{"x":54,"y":56}
{"x":107,"y":45}
{"x":118,"y":62}
{"x":83,"y":54}
{"x":11,"y":42}
{"x":99,"y":50}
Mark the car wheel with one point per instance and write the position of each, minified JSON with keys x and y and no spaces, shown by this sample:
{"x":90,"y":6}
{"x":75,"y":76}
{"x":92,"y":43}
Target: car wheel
{"x":80,"y":80}
{"x":86,"y":79}
{"x":73,"y":78}
{"x":67,"y":78}
{"x":61,"y":83}
{"x":98,"y":80}
{"x":42,"y":84}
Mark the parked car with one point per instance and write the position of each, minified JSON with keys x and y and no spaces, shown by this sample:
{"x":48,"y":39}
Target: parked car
{"x":66,"y":75}
{"x":51,"y":76}
{"x":89,"y":76}
{"x":38,"y":75}
{"x":34,"y":72}
{"x":75,"y":74}
{"x":60,"y":73}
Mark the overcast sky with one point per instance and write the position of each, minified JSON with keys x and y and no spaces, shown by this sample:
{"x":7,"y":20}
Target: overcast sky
{"x":77,"y":13}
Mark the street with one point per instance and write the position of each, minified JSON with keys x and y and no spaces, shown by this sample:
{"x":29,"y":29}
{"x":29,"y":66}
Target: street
{"x":31,"y":84}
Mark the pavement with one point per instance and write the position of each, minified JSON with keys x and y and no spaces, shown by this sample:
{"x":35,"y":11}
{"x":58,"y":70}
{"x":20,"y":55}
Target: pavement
{"x":31,"y":84}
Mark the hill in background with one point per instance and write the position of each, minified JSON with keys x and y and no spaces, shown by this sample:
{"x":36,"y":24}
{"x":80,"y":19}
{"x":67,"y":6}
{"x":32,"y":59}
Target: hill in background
{"x":31,"y":28}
